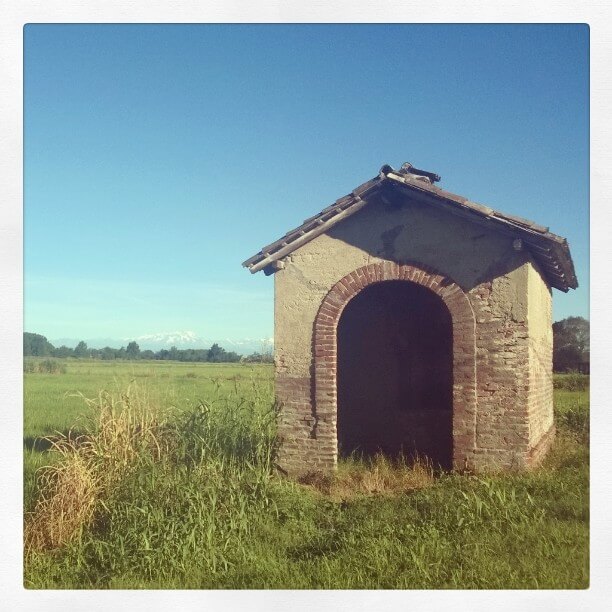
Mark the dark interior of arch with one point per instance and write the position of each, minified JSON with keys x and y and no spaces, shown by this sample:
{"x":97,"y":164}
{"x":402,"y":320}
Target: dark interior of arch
{"x":395,"y":373}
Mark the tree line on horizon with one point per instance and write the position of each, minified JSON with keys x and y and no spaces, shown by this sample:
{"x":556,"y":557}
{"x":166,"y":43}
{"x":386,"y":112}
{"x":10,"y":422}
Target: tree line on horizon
{"x":571,"y":349}
{"x":36,"y":345}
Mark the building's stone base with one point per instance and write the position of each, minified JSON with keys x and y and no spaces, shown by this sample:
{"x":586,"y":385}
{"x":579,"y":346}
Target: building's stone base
{"x":538,"y":452}
{"x":300,"y":456}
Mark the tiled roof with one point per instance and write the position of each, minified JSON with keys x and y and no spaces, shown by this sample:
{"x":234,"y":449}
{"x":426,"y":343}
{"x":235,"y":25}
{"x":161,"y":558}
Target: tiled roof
{"x":550,"y":251}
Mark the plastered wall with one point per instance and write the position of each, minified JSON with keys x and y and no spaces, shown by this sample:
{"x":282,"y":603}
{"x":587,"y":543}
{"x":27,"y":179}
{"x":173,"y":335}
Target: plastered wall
{"x":540,"y":358}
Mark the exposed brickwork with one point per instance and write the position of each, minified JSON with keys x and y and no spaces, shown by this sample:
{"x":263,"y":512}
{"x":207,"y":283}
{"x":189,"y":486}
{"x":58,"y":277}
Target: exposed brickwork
{"x":316,"y":408}
{"x":502,"y":430}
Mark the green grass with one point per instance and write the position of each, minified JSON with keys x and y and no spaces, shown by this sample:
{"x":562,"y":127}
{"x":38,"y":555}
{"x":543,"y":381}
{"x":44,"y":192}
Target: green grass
{"x":571,"y":381}
{"x":210,"y":511}
{"x":52,"y":403}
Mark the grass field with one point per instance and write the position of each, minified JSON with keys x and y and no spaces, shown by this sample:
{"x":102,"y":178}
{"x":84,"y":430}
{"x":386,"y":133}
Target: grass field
{"x":173,"y":486}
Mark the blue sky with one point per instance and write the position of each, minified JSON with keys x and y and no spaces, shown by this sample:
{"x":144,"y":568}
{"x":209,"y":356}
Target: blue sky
{"x":158,"y":158}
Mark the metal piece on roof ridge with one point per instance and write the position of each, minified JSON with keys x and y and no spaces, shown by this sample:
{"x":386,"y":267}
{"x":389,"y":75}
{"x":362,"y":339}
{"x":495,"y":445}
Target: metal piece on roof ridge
{"x":382,"y":173}
{"x":408,"y":168}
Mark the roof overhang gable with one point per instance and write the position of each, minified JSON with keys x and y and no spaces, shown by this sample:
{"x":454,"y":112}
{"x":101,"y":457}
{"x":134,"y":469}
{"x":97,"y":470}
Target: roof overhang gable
{"x":550,"y":251}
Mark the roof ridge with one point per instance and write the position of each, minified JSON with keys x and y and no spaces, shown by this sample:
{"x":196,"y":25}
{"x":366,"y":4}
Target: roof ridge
{"x":550,"y":250}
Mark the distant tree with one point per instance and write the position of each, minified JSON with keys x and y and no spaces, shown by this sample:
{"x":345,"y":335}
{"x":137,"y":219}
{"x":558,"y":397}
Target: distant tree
{"x":148,"y":354}
{"x":63,"y":351}
{"x":216,"y":354}
{"x":185,"y":355}
{"x":35,"y":345}
{"x":108,"y":353}
{"x":133,"y":350}
{"x":259,"y":358}
{"x":571,"y":340}
{"x":200,"y":355}
{"x":80,"y":350}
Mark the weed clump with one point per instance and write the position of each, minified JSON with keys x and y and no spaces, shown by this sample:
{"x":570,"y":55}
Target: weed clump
{"x":572,"y":381}
{"x":576,"y":421}
{"x":372,"y":476}
{"x":43,"y":366}
{"x":125,"y":432}
{"x":139,"y":469}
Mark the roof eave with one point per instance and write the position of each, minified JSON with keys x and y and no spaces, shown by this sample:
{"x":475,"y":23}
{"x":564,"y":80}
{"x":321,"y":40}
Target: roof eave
{"x":341,"y":209}
{"x":551,"y":251}
{"x":564,"y":277}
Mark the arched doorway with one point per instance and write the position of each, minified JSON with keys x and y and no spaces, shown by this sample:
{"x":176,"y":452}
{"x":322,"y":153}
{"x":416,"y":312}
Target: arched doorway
{"x":395,"y":373}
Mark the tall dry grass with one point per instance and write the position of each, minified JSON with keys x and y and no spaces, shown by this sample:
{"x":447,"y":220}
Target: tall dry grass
{"x":124,"y":431}
{"x":373,"y":476}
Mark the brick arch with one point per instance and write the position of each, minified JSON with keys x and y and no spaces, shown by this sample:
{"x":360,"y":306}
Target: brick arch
{"x":464,"y":352}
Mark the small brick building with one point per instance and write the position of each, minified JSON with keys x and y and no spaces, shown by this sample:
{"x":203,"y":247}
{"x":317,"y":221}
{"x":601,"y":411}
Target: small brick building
{"x":409,"y":319}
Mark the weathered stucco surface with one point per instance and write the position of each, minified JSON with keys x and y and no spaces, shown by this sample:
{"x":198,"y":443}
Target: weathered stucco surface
{"x":416,"y":232}
{"x":507,"y":297}
{"x":540,"y":362}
